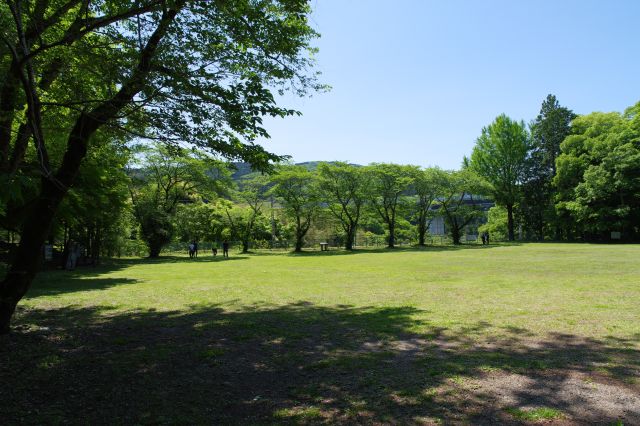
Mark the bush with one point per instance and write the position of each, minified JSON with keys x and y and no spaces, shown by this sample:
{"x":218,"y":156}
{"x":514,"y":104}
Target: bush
{"x":496,"y":225}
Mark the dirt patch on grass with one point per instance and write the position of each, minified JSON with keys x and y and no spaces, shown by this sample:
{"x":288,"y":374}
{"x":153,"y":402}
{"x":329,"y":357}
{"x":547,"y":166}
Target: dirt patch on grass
{"x":558,"y":396}
{"x":304,"y":364}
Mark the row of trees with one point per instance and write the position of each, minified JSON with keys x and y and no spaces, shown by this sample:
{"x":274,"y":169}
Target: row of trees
{"x":561,"y":177}
{"x":177,"y":194}
{"x":564,"y":176}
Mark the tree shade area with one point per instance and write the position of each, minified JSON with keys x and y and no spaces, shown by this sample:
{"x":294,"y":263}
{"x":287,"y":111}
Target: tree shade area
{"x":132,"y":134}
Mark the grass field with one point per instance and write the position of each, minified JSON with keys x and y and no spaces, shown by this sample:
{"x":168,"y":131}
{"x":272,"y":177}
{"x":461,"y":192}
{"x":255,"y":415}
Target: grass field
{"x":511,"y":334}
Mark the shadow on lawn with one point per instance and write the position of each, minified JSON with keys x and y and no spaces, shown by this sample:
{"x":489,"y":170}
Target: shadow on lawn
{"x":89,"y":278}
{"x":336,"y":251}
{"x":298,"y":363}
{"x":203,"y":258}
{"x":72,"y":282}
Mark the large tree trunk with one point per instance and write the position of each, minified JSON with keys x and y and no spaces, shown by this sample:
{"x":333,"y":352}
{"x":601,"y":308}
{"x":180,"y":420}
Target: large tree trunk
{"x":299,"y":240}
{"x":154,"y":250}
{"x":510,"y":222}
{"x":8,"y":100}
{"x":392,"y":236}
{"x":422,"y":230}
{"x":38,"y":222}
{"x":348,"y":245}
{"x":28,"y":255}
{"x":455,"y":235}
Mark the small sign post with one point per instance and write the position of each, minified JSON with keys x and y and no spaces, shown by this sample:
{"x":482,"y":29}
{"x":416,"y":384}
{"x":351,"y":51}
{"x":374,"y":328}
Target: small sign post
{"x":48,"y":252}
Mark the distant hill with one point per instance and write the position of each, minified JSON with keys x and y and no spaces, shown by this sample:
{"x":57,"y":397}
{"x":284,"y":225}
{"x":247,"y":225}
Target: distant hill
{"x":243,"y":170}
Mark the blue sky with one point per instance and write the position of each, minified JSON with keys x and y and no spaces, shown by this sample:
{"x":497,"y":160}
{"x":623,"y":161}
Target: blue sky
{"x":415,"y":81}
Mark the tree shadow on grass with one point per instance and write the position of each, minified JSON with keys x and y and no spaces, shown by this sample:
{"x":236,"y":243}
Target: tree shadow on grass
{"x":300,"y":364}
{"x":335,"y":251}
{"x":89,"y":278}
{"x":69,"y":283}
{"x":174,"y":259}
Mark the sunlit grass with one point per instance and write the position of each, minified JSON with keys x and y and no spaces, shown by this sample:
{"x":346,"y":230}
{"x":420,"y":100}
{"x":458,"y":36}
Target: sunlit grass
{"x":588,"y":290}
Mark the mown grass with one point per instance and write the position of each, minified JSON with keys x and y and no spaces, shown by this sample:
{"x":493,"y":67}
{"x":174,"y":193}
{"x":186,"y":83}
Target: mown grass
{"x":377,"y":336}
{"x":590,"y":290}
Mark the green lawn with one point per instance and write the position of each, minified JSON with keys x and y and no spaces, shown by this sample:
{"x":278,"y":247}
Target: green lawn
{"x":405,"y":336}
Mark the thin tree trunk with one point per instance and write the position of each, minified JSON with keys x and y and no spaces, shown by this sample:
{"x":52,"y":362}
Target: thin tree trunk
{"x":299,"y":234}
{"x":510,"y":222}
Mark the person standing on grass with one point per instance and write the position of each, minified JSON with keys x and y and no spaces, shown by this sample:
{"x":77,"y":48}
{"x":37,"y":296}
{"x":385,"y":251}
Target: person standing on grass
{"x":225,"y":249}
{"x":195,"y":248}
{"x":191,"y":250}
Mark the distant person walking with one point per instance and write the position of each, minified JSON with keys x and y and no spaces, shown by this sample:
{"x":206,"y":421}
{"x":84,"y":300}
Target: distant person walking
{"x":485,"y":238}
{"x":225,"y":249}
{"x":192,"y":250}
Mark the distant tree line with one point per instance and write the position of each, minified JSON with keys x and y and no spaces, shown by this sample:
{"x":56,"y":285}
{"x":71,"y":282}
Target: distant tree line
{"x":184,"y":196}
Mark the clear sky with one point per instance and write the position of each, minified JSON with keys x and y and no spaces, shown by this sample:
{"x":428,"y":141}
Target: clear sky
{"x":414,"y":81}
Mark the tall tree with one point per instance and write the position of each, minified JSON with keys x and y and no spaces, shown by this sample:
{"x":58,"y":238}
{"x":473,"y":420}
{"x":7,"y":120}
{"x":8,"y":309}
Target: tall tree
{"x":500,"y":157}
{"x":597,"y":175}
{"x":243,"y":216}
{"x":428,"y":184}
{"x":198,"y":71}
{"x":93,"y":212}
{"x":460,"y":204}
{"x":389,"y":187}
{"x":166,"y":177}
{"x":297,"y":191}
{"x":345,"y":189}
{"x":548,"y":130}
{"x":200,"y":221}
